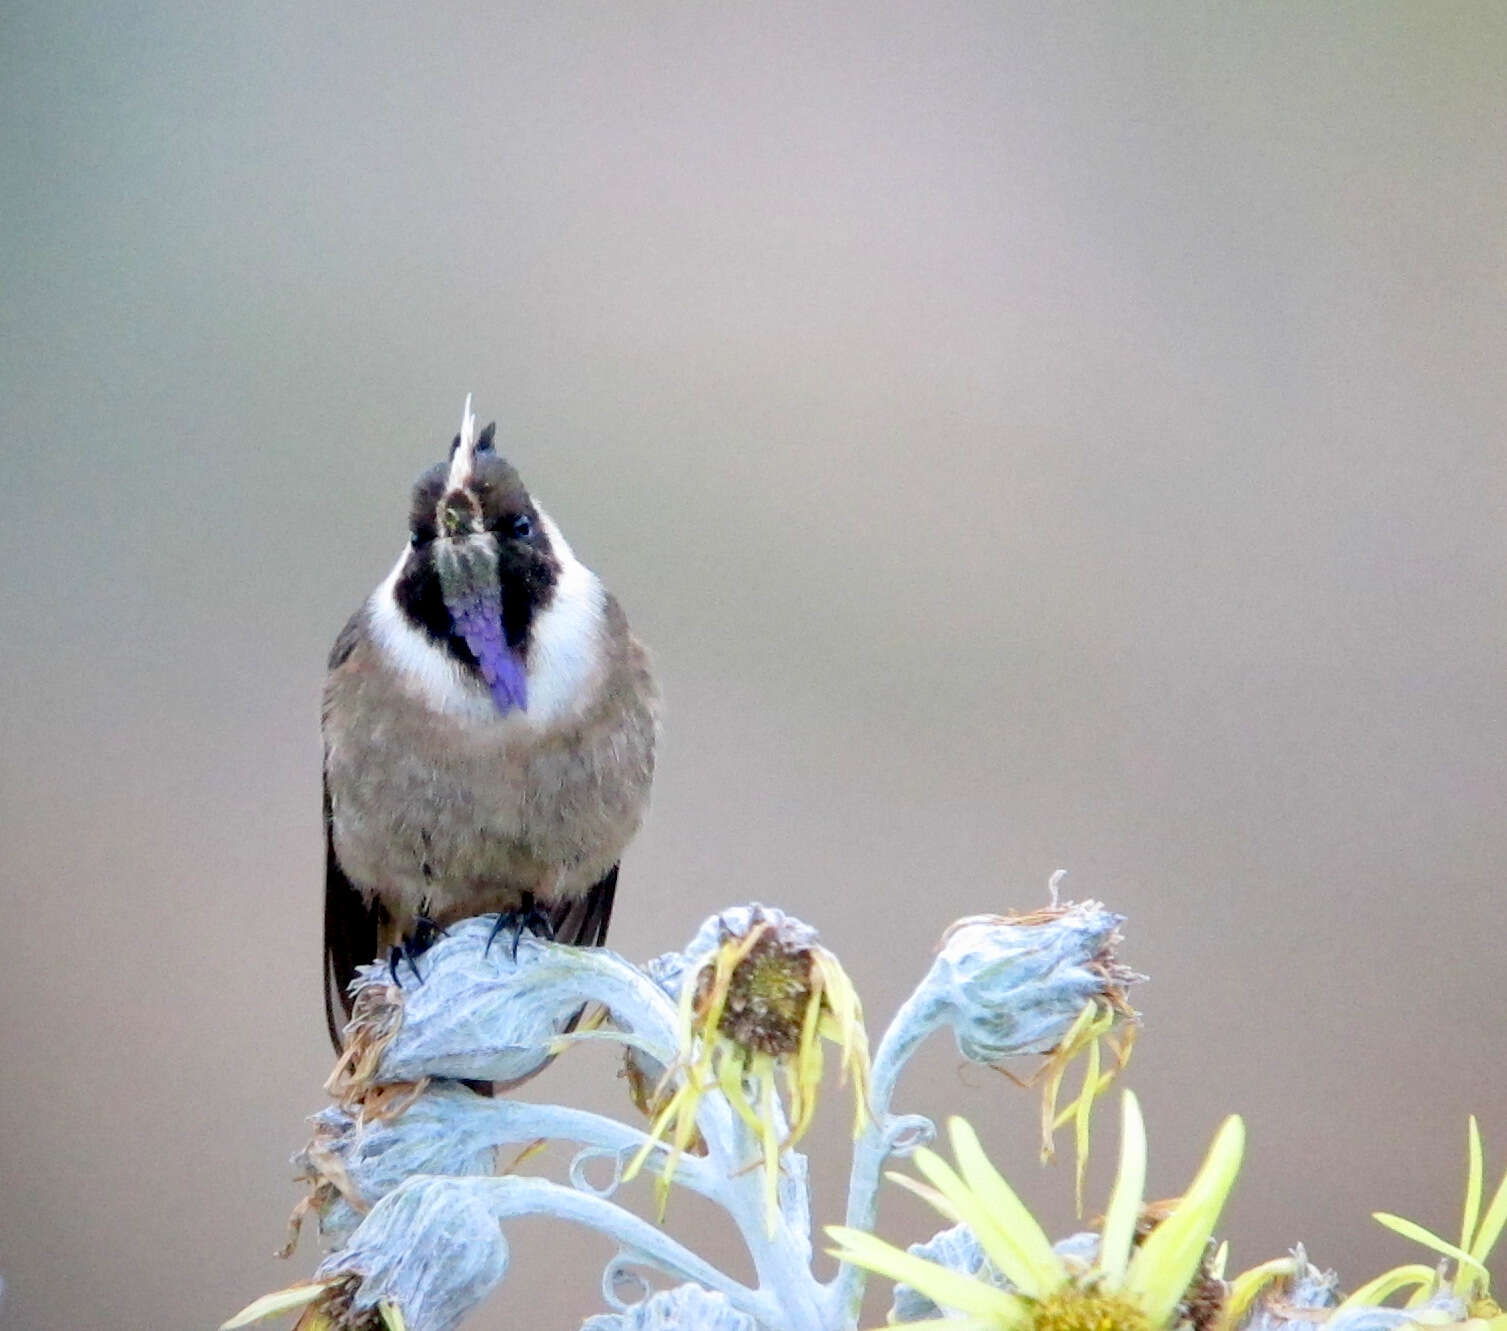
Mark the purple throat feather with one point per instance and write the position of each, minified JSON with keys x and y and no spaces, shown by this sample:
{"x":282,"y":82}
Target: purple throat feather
{"x":473,"y":595}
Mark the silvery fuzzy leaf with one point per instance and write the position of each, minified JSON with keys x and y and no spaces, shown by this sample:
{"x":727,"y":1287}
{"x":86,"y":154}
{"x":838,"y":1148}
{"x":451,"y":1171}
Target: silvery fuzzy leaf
{"x":479,"y":1013}
{"x":1080,"y":1251}
{"x":1015,"y":987}
{"x":446,"y":1130}
{"x":666,"y":971}
{"x":684,"y":1308}
{"x":958,"y":1250}
{"x":432,"y":1246}
{"x":1444,"y":1307}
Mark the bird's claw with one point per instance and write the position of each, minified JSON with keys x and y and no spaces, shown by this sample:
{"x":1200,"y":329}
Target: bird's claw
{"x":420,"y":939}
{"x":399,"y":954}
{"x":528,"y":917}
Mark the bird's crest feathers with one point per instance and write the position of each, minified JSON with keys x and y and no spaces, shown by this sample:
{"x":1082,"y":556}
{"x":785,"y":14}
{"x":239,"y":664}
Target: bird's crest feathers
{"x":463,"y":455}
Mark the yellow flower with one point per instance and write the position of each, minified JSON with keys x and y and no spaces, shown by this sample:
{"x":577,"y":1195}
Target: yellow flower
{"x":1478,"y":1236}
{"x":761,"y":1004}
{"x":1132,"y":1286}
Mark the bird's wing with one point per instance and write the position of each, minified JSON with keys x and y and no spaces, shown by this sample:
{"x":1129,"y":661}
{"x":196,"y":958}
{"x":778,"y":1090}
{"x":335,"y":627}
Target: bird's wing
{"x":352,"y":931}
{"x":583,"y":922}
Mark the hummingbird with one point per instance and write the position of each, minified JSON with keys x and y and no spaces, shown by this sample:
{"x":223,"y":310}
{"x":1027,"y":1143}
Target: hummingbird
{"x":489,"y":725}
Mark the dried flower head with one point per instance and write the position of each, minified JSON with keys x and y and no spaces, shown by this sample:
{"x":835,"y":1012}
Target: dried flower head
{"x":1066,"y":953}
{"x":759,"y":1002}
{"x":376,"y":1016}
{"x":768,"y":987}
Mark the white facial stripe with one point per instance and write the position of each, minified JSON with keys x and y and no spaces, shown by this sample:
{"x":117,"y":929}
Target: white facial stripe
{"x":437,"y":676}
{"x":564,"y":658}
{"x":565,"y":645}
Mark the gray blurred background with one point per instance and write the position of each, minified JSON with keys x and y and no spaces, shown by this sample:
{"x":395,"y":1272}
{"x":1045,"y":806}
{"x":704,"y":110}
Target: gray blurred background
{"x":1029,"y":436}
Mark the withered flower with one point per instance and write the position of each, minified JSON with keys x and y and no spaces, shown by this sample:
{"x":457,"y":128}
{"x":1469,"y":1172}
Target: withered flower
{"x":756,"y":1000}
{"x":1045,"y":981}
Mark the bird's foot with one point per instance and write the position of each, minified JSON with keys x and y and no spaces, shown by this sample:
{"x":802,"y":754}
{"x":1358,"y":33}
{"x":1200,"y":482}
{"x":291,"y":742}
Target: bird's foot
{"x":400,"y":954}
{"x":420,"y":939}
{"x":424,"y":933}
{"x":528,"y":918}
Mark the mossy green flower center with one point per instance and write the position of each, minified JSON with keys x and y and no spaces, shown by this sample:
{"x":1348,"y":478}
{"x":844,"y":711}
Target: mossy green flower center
{"x":1073,"y":1309}
{"x":768,"y":995}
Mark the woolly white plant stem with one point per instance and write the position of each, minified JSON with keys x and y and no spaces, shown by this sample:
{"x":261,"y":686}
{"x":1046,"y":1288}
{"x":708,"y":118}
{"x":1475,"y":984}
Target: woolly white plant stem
{"x":782,"y":1253}
{"x":519,"y":1122}
{"x":514,"y":1197}
{"x":730,"y":1173}
{"x":884,"y":1133}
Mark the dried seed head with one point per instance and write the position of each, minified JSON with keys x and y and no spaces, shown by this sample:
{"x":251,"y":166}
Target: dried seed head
{"x":1204,"y":1302}
{"x":376,"y":1016}
{"x":768,"y":992}
{"x":757,"y":996}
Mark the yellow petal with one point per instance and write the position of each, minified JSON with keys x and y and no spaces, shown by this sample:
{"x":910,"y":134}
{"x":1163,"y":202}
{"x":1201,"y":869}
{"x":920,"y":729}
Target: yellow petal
{"x":656,"y":1131}
{"x":279,"y":1301}
{"x":1473,"y":1172}
{"x":1082,"y":1113}
{"x":730,"y":1071}
{"x":685,"y":1130}
{"x":1248,"y":1284}
{"x":1031,"y":1263}
{"x":1105,"y":1078}
{"x":930,"y":1196}
{"x":1374,"y":1292}
{"x":808,"y":1053}
{"x":1491,"y":1227}
{"x":943,"y":1286}
{"x":997,"y":1242}
{"x":845,"y":1012}
{"x":1164,"y":1264}
{"x":728,"y":955}
{"x":1409,"y":1230}
{"x":1056,"y":1068}
{"x":804,"y":1074}
{"x":1125,"y":1201}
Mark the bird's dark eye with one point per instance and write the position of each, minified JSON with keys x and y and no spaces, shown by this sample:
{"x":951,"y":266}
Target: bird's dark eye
{"x":523,"y":526}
